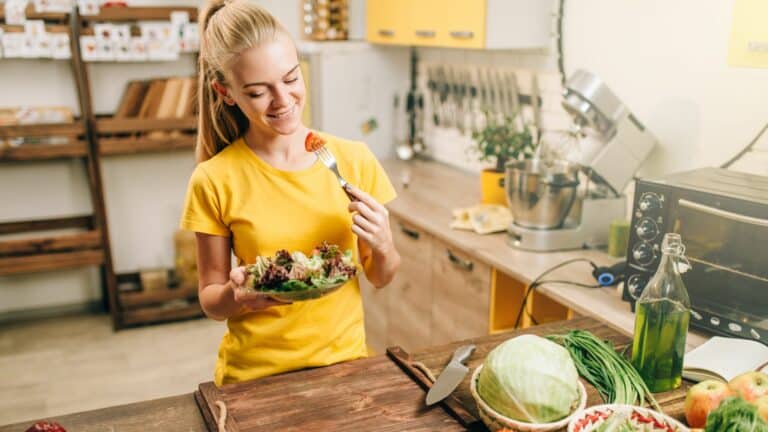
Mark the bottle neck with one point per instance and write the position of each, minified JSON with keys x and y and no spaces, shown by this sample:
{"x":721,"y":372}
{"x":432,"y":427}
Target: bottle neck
{"x":669,"y":263}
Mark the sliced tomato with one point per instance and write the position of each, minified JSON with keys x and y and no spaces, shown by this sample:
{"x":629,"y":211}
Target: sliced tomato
{"x":313,"y":142}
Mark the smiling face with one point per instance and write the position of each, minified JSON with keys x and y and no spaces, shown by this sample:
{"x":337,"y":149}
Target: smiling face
{"x":266,"y":83}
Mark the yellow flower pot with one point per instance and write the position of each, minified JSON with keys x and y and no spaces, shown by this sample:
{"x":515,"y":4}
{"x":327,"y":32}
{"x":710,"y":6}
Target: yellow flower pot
{"x":492,"y":187}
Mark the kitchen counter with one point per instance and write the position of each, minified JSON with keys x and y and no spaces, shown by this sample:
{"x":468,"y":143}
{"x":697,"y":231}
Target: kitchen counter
{"x":332,"y":398}
{"x":428,"y":191}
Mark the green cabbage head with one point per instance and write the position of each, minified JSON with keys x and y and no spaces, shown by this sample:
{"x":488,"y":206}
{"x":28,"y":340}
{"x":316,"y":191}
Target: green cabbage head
{"x":530,"y":379}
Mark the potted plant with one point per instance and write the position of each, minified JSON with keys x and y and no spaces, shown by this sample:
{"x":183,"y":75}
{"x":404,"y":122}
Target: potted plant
{"x":501,"y":143}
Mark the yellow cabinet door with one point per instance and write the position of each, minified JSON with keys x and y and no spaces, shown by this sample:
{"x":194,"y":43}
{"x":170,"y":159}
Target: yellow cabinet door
{"x":425,"y":18}
{"x":460,"y":23}
{"x":388,"y":21}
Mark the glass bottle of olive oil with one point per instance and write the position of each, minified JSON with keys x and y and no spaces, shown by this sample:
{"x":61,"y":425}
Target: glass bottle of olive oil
{"x":661,"y":322}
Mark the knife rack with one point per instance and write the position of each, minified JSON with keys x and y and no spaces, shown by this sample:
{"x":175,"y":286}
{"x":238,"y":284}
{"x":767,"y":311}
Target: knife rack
{"x":468,"y":97}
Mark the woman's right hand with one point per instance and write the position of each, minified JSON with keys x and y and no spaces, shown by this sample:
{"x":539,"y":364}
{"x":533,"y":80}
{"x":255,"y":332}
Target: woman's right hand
{"x":252,"y":300}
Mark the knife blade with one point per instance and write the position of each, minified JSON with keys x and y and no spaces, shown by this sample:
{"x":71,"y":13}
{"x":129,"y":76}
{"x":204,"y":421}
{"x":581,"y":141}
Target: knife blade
{"x":451,"y":376}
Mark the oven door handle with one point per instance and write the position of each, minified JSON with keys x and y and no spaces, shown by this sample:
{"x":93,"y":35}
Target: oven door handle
{"x":724,"y":213}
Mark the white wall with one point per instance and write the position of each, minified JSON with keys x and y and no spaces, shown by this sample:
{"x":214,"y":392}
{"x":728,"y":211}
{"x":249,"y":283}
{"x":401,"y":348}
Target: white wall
{"x":668,"y":62}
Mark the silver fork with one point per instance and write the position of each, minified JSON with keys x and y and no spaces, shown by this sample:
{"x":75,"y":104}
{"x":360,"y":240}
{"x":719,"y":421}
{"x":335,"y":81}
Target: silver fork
{"x":327,"y":158}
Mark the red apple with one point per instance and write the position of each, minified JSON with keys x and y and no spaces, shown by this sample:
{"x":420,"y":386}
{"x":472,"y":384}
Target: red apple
{"x":703,"y":398}
{"x":750,"y":385}
{"x":762,"y":407}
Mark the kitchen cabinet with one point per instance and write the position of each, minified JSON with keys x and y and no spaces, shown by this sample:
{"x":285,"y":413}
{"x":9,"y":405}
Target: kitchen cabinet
{"x":442,"y":293}
{"x":489,"y":24}
{"x":461,"y":295}
{"x":388,"y":22}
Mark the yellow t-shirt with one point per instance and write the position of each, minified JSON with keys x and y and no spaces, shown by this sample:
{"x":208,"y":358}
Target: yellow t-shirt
{"x":264,"y":209}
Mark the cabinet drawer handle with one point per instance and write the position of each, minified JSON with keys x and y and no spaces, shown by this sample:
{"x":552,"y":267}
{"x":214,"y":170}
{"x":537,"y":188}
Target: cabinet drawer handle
{"x":462,"y":34}
{"x":409,"y":232}
{"x":458,"y":262}
{"x":426,"y":33}
{"x":386,"y":32}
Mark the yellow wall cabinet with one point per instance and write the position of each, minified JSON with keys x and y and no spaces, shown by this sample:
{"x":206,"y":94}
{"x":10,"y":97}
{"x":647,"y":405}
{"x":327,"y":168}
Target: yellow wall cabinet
{"x":441,"y":294}
{"x":489,"y":24}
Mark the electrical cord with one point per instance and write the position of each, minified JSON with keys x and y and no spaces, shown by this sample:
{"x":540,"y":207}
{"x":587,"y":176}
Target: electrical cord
{"x":538,"y":281}
{"x":746,"y":149}
{"x":560,"y":56}
{"x":565,"y":282}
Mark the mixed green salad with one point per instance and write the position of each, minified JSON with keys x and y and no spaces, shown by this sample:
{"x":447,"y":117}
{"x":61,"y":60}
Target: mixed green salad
{"x":326,"y":267}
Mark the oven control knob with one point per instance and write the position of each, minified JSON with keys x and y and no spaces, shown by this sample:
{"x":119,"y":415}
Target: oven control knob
{"x":636,"y":284}
{"x":734,"y":327}
{"x":643,"y":253}
{"x":649,"y":201}
{"x":647,"y":229}
{"x":715,"y":321}
{"x":754,"y":333}
{"x":697,"y":316}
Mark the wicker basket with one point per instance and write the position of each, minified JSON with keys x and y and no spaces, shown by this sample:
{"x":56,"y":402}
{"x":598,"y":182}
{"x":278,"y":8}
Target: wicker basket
{"x":496,"y":421}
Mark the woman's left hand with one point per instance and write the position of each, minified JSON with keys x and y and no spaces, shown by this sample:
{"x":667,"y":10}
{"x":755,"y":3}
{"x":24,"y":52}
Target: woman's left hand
{"x":370,"y":221}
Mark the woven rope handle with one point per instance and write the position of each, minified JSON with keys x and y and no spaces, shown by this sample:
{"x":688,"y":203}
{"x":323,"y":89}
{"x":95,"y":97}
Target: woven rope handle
{"x":222,"y":421}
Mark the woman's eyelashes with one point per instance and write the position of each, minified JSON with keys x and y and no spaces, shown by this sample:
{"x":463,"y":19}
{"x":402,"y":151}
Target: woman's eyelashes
{"x":287,"y":81}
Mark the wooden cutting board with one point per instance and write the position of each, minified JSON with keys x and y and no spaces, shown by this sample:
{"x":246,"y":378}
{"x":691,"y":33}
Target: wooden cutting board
{"x":364,"y":395}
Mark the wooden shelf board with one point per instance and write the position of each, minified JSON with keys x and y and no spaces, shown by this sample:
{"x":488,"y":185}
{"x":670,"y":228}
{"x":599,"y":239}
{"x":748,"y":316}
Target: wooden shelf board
{"x":118,"y":146}
{"x":51,"y":244}
{"x":128,"y":125}
{"x":160,"y":314}
{"x":123,"y":13}
{"x":42,"y":129}
{"x":48,"y":262}
{"x":132,"y":300}
{"x":43,"y":151}
{"x":83,"y":221}
{"x":32,"y":13}
{"x":50,"y":28}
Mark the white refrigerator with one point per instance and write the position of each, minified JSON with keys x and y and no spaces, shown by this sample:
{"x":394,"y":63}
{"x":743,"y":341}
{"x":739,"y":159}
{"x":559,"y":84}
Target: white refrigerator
{"x":351,"y":86}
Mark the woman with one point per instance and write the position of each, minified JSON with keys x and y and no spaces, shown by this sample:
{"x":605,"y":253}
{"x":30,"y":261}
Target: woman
{"x":256,"y":190}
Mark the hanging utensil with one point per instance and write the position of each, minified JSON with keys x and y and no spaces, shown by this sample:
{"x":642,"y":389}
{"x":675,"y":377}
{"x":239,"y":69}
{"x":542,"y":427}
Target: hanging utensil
{"x":536,"y":105}
{"x":434,"y":93}
{"x":513,"y":95}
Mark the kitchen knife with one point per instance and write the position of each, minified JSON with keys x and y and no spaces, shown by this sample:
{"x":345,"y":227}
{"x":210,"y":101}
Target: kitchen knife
{"x":451,"y":376}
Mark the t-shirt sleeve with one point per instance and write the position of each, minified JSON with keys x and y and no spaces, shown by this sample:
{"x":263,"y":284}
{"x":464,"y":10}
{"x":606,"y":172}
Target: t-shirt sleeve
{"x":374,"y":179}
{"x":202,"y":209}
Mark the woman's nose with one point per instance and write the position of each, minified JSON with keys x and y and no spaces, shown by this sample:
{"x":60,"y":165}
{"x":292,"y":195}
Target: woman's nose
{"x":281,"y":97}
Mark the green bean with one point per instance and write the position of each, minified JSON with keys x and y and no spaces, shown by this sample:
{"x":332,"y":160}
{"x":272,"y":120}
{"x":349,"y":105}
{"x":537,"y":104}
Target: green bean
{"x":597,"y":361}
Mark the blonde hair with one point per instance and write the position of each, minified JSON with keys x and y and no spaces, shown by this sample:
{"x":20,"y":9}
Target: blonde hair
{"x":227,"y":28}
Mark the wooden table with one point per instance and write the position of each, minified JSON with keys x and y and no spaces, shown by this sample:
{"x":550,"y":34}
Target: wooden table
{"x":314,"y":399}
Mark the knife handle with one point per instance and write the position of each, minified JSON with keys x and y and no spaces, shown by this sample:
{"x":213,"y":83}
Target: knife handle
{"x":462,"y":354}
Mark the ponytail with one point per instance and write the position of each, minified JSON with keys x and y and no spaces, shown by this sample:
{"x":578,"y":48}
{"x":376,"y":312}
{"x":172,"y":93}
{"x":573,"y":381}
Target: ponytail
{"x":227,"y":27}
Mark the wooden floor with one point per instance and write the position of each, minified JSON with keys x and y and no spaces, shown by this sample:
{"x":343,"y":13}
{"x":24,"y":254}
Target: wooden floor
{"x":64,"y":365}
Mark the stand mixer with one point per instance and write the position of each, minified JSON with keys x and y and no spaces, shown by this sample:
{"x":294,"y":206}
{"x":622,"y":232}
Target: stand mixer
{"x":550,"y":211}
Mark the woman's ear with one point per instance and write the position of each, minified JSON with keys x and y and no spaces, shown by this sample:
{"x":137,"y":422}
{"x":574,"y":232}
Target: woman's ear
{"x":222,"y":91}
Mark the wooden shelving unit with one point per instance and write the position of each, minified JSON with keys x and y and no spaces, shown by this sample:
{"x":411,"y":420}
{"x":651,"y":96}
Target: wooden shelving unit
{"x":173,"y":303}
{"x":133,"y":135}
{"x":112,"y":143}
{"x":31,"y":245}
{"x":151,"y":13}
{"x":46,"y":252}
{"x":76,"y":146}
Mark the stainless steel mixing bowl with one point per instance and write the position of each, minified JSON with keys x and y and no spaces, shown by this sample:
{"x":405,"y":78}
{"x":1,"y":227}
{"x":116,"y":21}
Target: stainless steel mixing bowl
{"x":541,"y":193}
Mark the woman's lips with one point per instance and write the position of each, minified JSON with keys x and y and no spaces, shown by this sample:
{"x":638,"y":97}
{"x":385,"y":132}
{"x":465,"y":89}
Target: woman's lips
{"x":283,"y":114}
